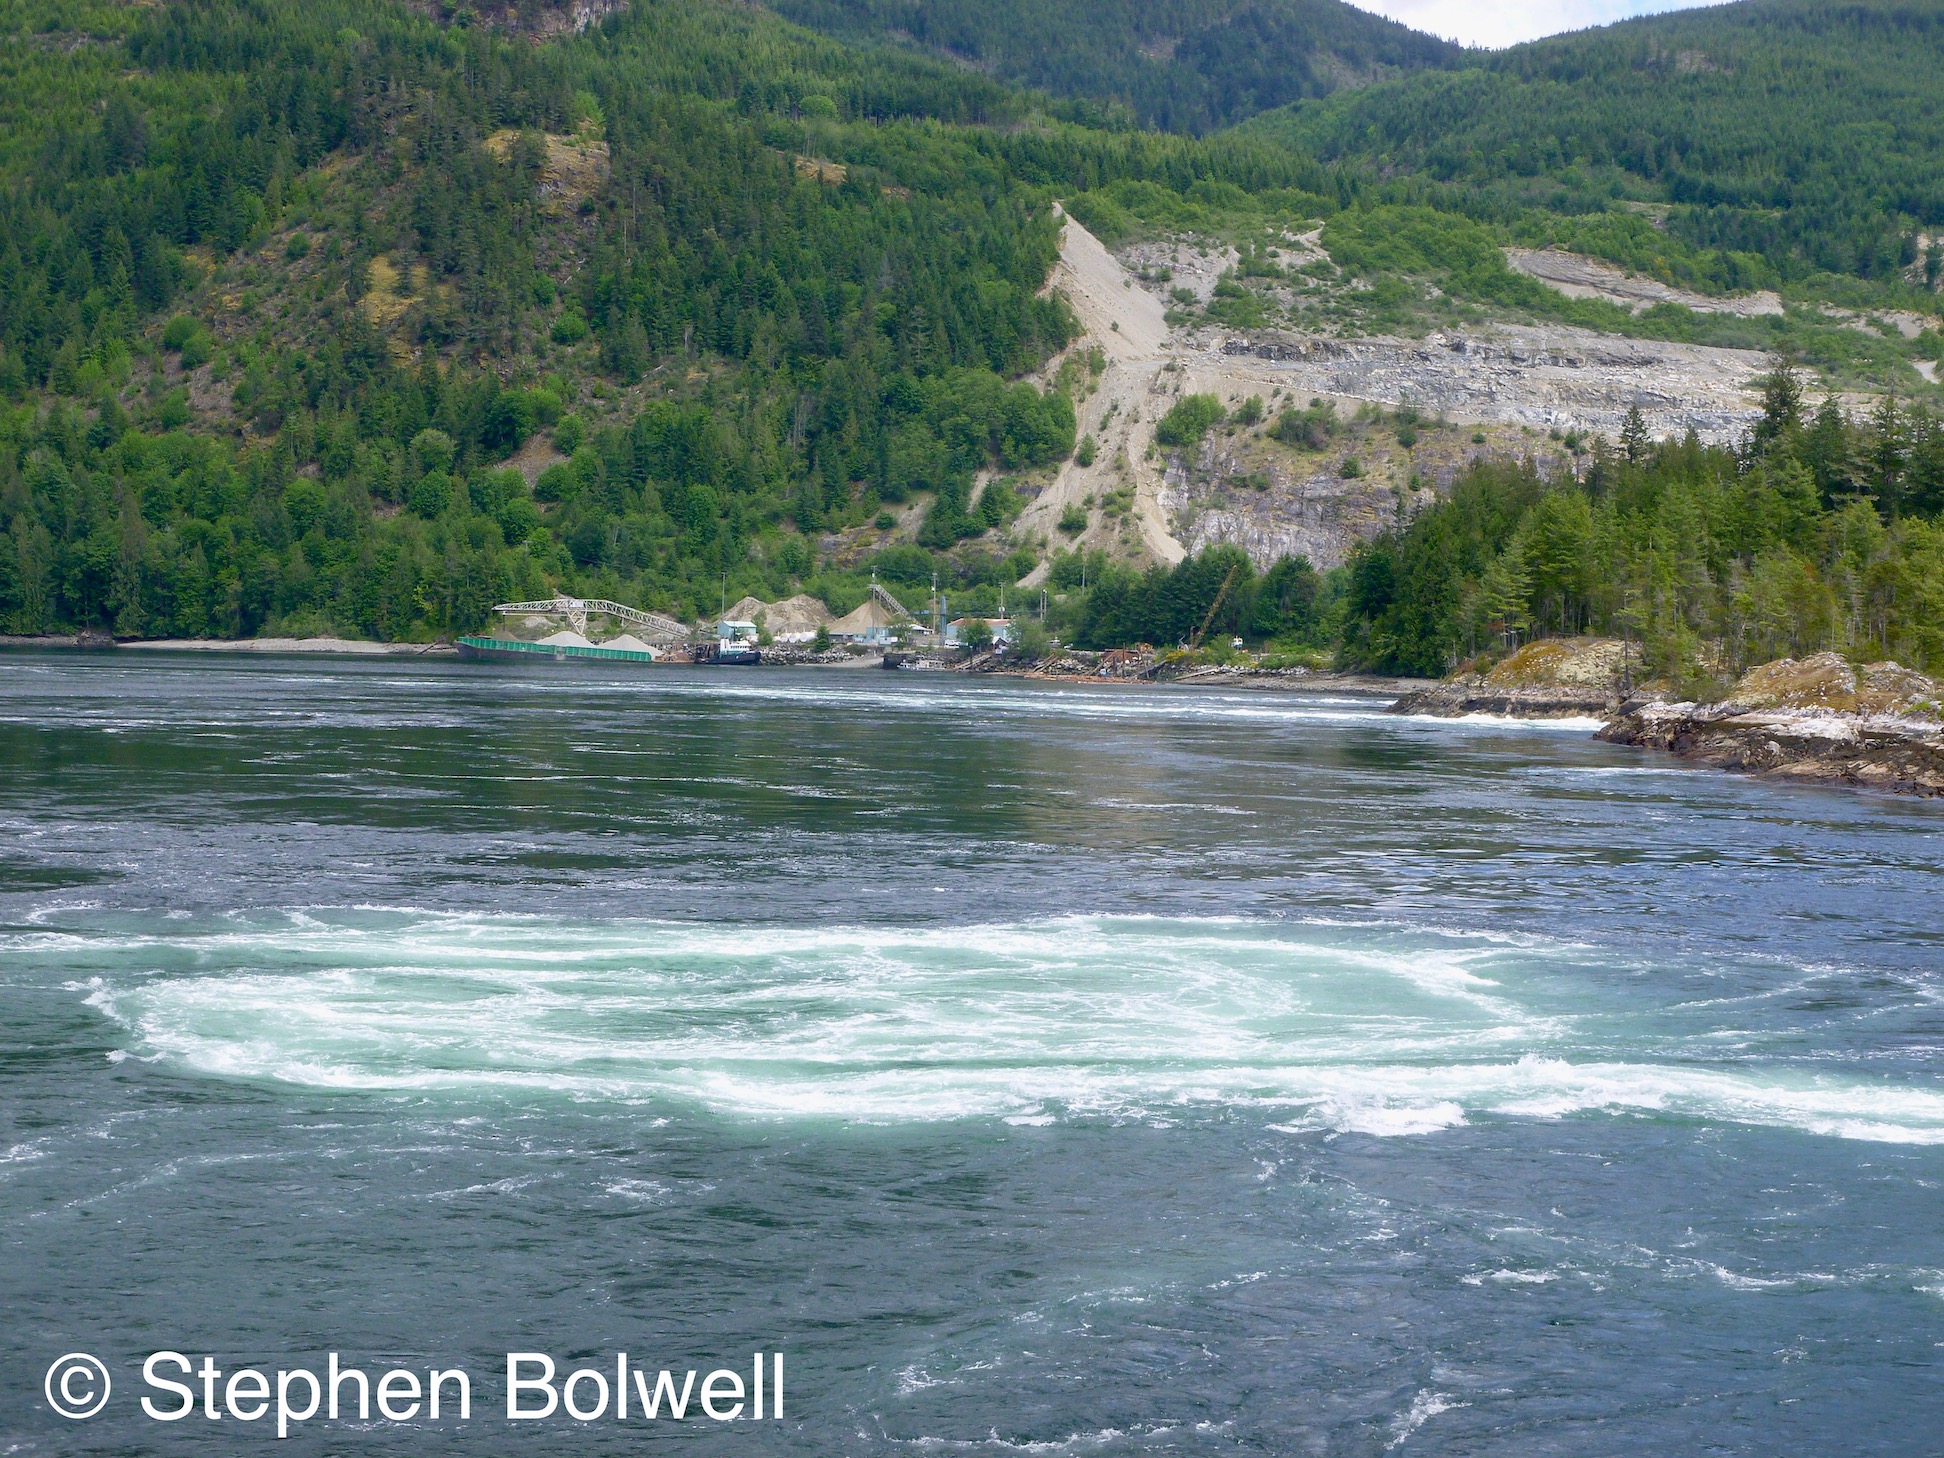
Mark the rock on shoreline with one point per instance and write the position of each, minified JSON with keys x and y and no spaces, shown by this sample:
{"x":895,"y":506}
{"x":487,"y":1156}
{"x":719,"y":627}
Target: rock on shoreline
{"x":1552,"y":678}
{"x":1817,"y":720}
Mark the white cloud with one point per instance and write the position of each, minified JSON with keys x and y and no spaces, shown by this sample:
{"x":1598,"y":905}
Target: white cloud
{"x":1507,"y":22}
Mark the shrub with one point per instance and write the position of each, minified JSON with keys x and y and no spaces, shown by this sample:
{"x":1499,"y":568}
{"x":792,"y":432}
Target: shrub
{"x":1311,"y":428}
{"x":999,"y":504}
{"x":1189,"y":419}
{"x":546,"y":404}
{"x":172,"y":411}
{"x":509,"y":421}
{"x":1073,"y":520}
{"x":303,"y":499}
{"x":1087,"y":451}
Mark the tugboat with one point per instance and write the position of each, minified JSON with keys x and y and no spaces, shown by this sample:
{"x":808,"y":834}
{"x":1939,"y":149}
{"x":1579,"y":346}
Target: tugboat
{"x":735,"y":643}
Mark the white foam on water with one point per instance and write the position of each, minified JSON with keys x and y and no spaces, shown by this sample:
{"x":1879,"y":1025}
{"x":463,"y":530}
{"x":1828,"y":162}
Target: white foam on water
{"x":1511,"y":1278}
{"x":1572,"y":723}
{"x":992,"y":1442}
{"x":1368,"y":1029}
{"x":645,"y":1192}
{"x":1425,"y":1406}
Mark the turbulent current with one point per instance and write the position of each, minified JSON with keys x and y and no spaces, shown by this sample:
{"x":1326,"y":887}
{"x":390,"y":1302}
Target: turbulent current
{"x":1042,"y":1069}
{"x":1367,"y":1028}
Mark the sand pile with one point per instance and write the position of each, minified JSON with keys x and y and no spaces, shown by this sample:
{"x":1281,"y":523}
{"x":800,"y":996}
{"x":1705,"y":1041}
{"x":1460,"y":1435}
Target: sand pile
{"x":866,"y":615}
{"x":566,"y":638}
{"x":628,"y":643}
{"x":796,"y":617}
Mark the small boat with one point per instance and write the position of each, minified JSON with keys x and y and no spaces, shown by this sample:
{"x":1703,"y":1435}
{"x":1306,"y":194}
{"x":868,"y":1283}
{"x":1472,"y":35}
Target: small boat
{"x":735,"y":643}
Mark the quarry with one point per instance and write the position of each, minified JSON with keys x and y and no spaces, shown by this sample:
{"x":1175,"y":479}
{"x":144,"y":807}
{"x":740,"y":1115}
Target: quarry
{"x":1411,"y":413}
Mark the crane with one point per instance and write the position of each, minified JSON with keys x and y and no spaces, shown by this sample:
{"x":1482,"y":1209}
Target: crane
{"x":1214,"y":607}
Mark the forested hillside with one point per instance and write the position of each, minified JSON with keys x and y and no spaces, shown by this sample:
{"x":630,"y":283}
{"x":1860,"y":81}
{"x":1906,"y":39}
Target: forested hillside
{"x":1180,"y":65}
{"x":349,"y":317}
{"x":1805,"y":132}
{"x":280,"y":287}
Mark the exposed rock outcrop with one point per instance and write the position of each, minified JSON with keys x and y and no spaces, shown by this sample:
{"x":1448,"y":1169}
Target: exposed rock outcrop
{"x":1817,"y":719}
{"x":1551,"y":678}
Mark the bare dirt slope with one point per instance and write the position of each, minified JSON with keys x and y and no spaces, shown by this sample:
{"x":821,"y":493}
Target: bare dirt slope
{"x":1519,"y":387}
{"x":1580,"y":277}
{"x":1126,"y":323}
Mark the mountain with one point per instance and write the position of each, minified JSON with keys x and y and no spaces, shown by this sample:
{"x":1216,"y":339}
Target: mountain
{"x":1808,"y":132}
{"x":1180,"y":65}
{"x":349,"y":316}
{"x":361,"y":316}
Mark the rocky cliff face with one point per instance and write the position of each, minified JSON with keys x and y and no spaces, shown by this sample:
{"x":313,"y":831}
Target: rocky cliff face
{"x":1248,"y":490}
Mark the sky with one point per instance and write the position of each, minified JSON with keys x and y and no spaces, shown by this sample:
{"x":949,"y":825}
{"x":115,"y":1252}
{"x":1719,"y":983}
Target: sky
{"x":1507,"y":22}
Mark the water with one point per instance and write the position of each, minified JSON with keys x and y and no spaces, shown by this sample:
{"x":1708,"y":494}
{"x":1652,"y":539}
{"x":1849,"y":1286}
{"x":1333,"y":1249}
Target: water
{"x":1043,"y":1069}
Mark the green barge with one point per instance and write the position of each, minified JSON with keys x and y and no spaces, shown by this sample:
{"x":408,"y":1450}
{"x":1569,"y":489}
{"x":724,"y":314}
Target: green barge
{"x":512,"y":650}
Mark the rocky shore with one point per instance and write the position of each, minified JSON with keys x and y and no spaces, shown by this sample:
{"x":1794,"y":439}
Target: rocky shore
{"x":1553,"y":678}
{"x":1817,"y":719}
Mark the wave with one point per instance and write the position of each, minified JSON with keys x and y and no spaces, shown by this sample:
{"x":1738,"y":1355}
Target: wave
{"x":1374,"y":1029}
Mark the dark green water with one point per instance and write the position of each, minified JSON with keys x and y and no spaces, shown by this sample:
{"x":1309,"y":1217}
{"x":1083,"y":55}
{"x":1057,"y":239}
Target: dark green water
{"x":1041,"y":1069}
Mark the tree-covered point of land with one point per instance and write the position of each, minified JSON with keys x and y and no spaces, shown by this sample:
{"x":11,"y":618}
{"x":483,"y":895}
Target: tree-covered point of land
{"x":1823,"y":532}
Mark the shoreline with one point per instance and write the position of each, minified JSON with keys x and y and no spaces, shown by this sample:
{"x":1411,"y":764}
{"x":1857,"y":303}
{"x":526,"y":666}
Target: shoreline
{"x":1818,"y":720}
{"x":1288,"y":681}
{"x":1836,"y":742}
{"x":1272,"y":680}
{"x":349,"y":647}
